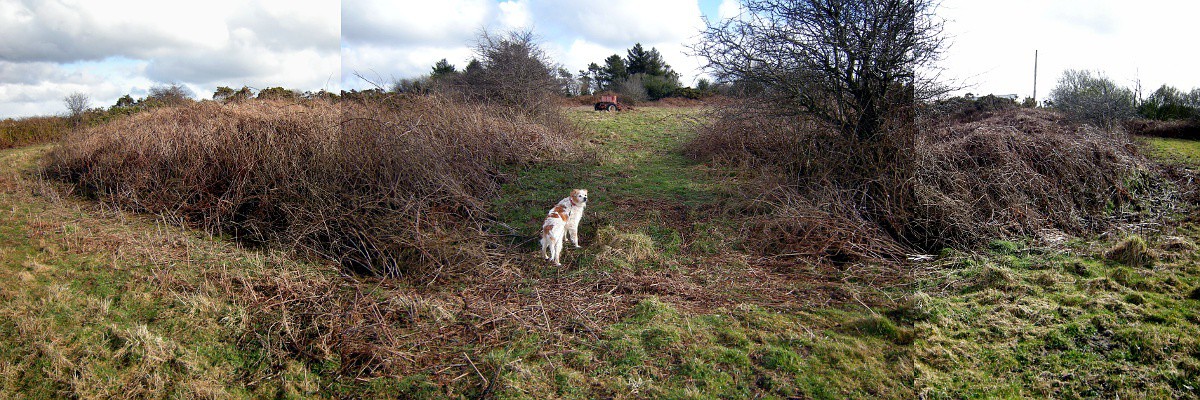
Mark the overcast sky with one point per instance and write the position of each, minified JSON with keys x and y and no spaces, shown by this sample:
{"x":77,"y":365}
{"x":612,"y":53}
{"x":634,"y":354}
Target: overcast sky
{"x":108,"y":48}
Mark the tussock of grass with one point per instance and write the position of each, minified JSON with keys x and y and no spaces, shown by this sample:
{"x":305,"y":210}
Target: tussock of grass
{"x":1132,"y":251}
{"x":624,"y":248}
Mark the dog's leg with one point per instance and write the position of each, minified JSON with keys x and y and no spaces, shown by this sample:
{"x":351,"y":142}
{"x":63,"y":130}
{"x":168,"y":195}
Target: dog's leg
{"x":573,"y":231}
{"x":558,"y":251}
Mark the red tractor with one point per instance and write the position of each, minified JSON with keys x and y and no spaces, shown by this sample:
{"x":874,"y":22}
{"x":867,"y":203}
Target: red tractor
{"x":610,"y":103}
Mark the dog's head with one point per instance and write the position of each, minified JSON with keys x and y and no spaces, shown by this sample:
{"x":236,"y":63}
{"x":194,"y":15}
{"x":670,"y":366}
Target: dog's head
{"x":579,"y":196}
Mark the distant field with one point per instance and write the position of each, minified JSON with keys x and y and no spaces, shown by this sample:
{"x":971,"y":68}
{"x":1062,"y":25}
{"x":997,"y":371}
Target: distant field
{"x":1174,"y":150}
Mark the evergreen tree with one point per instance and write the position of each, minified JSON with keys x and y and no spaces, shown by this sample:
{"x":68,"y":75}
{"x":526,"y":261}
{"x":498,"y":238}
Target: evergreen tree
{"x":640,"y":61}
{"x":442,"y":69}
{"x":613,"y":71}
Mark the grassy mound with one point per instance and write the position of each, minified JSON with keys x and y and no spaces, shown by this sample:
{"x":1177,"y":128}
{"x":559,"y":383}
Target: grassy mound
{"x":390,"y":188}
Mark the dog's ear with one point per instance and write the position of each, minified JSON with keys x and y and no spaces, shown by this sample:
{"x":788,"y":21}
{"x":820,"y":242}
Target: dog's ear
{"x":574,"y":192}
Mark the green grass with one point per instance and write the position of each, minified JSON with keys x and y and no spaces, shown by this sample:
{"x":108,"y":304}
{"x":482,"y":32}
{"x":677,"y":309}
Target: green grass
{"x":658,"y":351}
{"x":1057,"y":323}
{"x":1181,"y":151}
{"x":1087,"y":319}
{"x":639,"y":183}
{"x":94,"y":308}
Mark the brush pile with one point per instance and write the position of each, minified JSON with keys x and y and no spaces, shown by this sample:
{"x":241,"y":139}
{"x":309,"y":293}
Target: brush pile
{"x":1018,"y":172}
{"x":958,"y":181}
{"x":386,"y":187}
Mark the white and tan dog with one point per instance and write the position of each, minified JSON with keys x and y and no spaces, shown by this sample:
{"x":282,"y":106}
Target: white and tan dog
{"x":553,"y":233}
{"x":574,"y":204}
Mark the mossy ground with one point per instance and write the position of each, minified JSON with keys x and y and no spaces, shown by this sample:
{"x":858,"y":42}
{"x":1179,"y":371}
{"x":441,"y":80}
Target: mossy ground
{"x":1029,"y":321}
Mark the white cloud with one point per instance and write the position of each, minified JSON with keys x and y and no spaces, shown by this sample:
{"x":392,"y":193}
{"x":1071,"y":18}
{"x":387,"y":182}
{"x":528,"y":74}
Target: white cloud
{"x":383,"y":64}
{"x":582,"y":52}
{"x":515,"y":14}
{"x":414,"y":22}
{"x":109,"y":48}
{"x":619,"y":22}
{"x":729,"y":9}
{"x":994,"y":43}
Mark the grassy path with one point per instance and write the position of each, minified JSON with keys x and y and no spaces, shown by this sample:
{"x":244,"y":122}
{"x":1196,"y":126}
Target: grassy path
{"x":639,"y":170}
{"x":712,"y":324}
{"x":641,"y":186}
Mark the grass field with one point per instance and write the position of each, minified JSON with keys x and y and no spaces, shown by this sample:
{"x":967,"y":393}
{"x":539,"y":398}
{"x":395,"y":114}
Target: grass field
{"x":660,"y":303}
{"x":1175,"y":150}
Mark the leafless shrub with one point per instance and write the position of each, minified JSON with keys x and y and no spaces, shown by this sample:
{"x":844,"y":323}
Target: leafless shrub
{"x":848,"y":63}
{"x":1093,"y":98}
{"x":172,"y":94}
{"x":511,"y":71}
{"x":77,"y":103}
{"x":395,"y":188}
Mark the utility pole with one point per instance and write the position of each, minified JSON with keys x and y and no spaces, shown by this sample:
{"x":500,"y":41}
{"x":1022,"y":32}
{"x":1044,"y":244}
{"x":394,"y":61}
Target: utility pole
{"x":1035,"y":57}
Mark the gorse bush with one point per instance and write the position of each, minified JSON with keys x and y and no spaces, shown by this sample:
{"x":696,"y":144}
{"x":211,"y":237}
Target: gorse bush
{"x":394,"y":187}
{"x":33,"y":130}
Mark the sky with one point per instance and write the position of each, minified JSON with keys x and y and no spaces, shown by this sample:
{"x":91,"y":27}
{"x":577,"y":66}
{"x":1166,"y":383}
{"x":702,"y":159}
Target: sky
{"x":108,"y":48}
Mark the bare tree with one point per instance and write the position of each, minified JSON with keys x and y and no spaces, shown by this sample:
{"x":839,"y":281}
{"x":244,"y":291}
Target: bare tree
{"x":848,"y":62}
{"x":77,"y":103}
{"x":513,"y":71}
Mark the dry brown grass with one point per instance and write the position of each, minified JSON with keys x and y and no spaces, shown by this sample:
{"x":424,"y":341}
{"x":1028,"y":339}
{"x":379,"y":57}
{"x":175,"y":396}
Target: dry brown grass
{"x":1020,"y":171}
{"x":391,"y":188}
{"x":958,"y":182}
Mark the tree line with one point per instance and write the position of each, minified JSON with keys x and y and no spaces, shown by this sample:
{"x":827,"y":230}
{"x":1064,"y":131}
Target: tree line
{"x":1092,"y":97}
